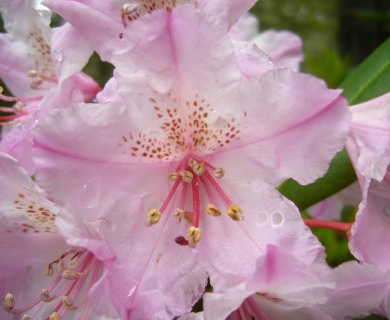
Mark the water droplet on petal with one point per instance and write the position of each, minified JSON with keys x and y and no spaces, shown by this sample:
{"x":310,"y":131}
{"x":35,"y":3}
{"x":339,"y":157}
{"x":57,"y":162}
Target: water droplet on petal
{"x":277,"y":219}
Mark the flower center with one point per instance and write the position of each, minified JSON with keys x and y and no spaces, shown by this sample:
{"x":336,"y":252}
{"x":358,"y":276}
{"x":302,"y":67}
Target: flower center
{"x":77,"y":270}
{"x":195,"y":172}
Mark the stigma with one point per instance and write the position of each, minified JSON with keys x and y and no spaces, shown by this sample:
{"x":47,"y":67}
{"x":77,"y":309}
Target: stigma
{"x":73,"y":273}
{"x":205,"y":193}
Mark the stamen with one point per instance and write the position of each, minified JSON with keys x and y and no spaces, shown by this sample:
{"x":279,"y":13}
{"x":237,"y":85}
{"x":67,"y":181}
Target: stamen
{"x":70,"y":275}
{"x":235,"y":212}
{"x":179,"y":213}
{"x":45,"y":296}
{"x":68,"y":303}
{"x":199,"y":168}
{"x":60,"y":266}
{"x":32,"y":73}
{"x":55,"y":316}
{"x":193,"y":236}
{"x":26,"y":317}
{"x":187,"y":176}
{"x":219,"y":173}
{"x":213,"y":210}
{"x":191,"y":163}
{"x":153,"y":217}
{"x":196,"y":201}
{"x":127,"y":9}
{"x":189,"y":216}
{"x":9,"y":302}
{"x":218,"y":188}
{"x":49,"y":270}
{"x":174,"y":176}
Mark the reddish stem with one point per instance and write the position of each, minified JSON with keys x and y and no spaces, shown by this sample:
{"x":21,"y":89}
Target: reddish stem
{"x":327,"y":224}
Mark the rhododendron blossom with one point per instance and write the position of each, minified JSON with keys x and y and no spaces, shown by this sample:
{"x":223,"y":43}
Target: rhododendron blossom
{"x":194,"y":151}
{"x":42,"y":276}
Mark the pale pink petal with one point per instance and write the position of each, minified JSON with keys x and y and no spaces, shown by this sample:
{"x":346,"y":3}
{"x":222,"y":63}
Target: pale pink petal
{"x":281,"y":287}
{"x":284,"y":47}
{"x":70,"y":51}
{"x":245,"y":28}
{"x":14,"y":64}
{"x":370,"y":238}
{"x":98,"y":21}
{"x":369,"y":139}
{"x":228,"y":248}
{"x":281,"y":122}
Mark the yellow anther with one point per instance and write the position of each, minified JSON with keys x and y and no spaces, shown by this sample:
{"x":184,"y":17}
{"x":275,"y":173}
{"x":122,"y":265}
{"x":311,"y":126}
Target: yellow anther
{"x":187,"y":176}
{"x":49,"y":270}
{"x":1,"y":89}
{"x":45,"y":296}
{"x":235,"y":212}
{"x":73,"y":262}
{"x":193,"y":236}
{"x":173,"y":176}
{"x":129,"y":8}
{"x":179,"y":213}
{"x":18,"y":107}
{"x":36,"y":82}
{"x":153,"y":217}
{"x":212,"y":210}
{"x":219,"y":173}
{"x":9,"y":302}
{"x":26,"y":317}
{"x":199,"y":168}
{"x":70,"y":275}
{"x":32,"y":73}
{"x":192,"y":163}
{"x":55,"y":316}
{"x":68,"y":303}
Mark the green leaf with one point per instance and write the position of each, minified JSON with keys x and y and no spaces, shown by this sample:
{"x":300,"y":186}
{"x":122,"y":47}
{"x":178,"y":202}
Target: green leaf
{"x":369,"y":80}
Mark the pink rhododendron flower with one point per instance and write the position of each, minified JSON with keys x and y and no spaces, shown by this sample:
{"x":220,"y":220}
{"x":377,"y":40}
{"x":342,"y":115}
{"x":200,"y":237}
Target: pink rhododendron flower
{"x":91,"y":18}
{"x":282,"y":287}
{"x":38,"y":63}
{"x":42,"y":276}
{"x":190,"y":149}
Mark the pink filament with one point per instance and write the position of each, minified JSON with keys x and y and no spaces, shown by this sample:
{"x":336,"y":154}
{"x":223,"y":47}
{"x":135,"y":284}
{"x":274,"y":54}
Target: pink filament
{"x":196,"y":201}
{"x":327,"y":224}
{"x":170,"y":195}
{"x":218,"y":188}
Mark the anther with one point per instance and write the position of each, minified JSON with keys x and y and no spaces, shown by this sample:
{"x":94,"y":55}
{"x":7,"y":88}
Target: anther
{"x":173,"y":176}
{"x":187,"y":176}
{"x":68,"y":303}
{"x":18,"y":107}
{"x":153,"y":217}
{"x":70,"y":275}
{"x":191,"y":163}
{"x":193,"y":236}
{"x":199,"y":168}
{"x":212,"y":210}
{"x":55,"y":316}
{"x":32,"y":73}
{"x":36,"y":82}
{"x":73,"y":262}
{"x":45,"y":296}
{"x":179,"y":213}
{"x":235,"y":212}
{"x":60,"y":265}
{"x":26,"y":317}
{"x":49,"y":270}
{"x":189,"y":216}
{"x":9,"y":302}
{"x":219,"y":173}
{"x":1,"y":89}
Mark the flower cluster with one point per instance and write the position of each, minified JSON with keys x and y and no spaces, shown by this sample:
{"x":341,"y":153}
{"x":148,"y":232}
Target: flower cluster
{"x":128,"y":201}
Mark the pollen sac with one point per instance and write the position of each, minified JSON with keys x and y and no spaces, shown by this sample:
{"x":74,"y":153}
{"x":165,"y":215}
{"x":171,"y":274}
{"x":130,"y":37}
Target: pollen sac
{"x":68,"y":303}
{"x":26,"y":317}
{"x":45,"y":296}
{"x":212,"y":210}
{"x":55,"y":316}
{"x":187,"y":176}
{"x":32,"y":73}
{"x":60,"y":266}
{"x":9,"y":302}
{"x":235,"y":212}
{"x":199,"y":168}
{"x":174,"y":176}
{"x":219,"y":173}
{"x":153,"y":217}
{"x":70,"y":275}
{"x":193,"y":236}
{"x":49,"y":270}
{"x":179,"y":213}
